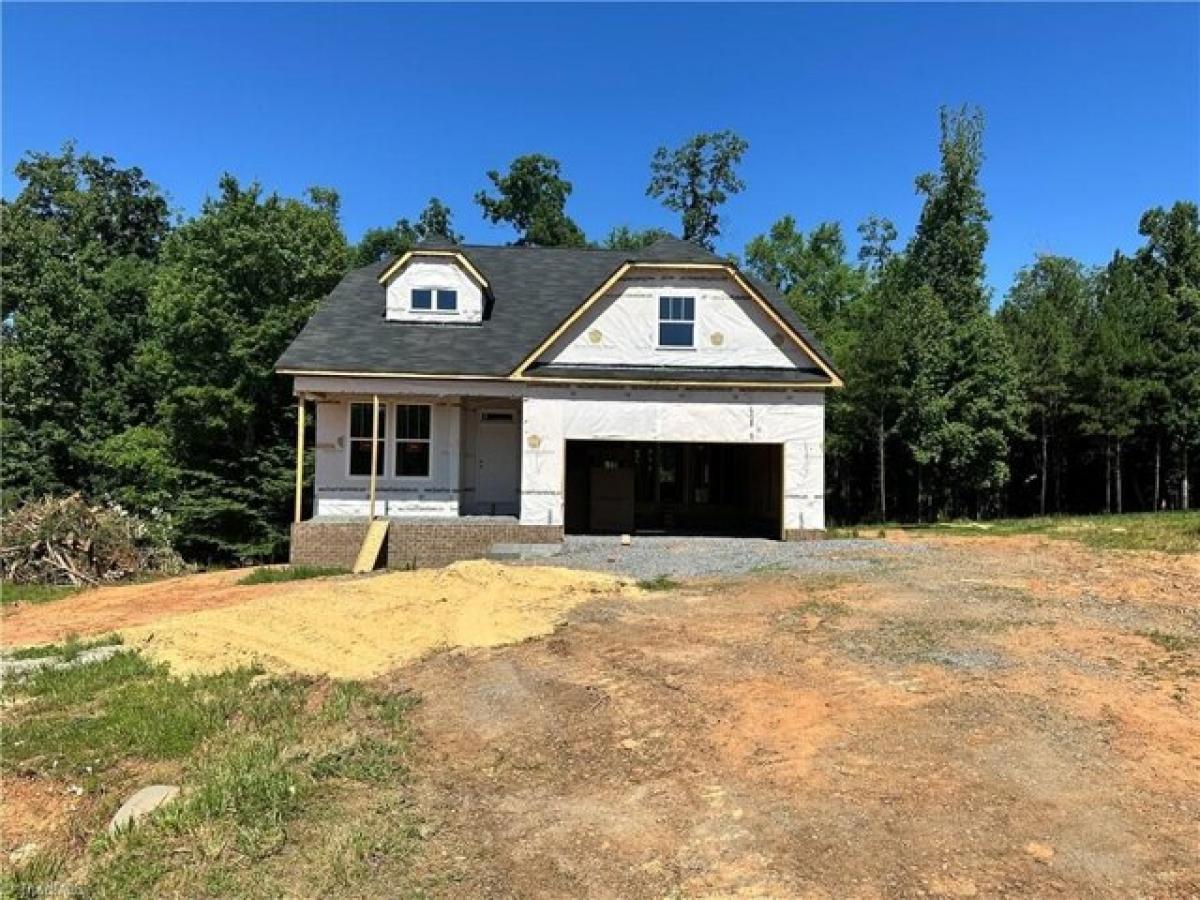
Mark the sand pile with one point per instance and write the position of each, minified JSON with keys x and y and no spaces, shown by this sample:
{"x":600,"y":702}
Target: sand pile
{"x":359,"y":628}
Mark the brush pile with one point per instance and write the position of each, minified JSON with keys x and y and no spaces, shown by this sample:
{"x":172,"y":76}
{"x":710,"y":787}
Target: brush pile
{"x":66,"y":540}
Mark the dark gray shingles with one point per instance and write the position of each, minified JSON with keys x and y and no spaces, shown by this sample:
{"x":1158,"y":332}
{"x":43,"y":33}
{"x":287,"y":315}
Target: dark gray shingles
{"x":533,"y":290}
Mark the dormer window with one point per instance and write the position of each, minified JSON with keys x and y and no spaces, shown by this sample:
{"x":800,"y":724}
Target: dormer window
{"x":428,"y":299}
{"x":677,"y":322}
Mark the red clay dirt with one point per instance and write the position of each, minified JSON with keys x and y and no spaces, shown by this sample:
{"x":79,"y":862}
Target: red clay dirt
{"x":981,"y":716}
{"x":109,"y":608}
{"x":959,"y":722}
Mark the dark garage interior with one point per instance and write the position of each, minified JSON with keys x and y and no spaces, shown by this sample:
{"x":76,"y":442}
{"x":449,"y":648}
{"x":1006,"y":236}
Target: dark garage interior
{"x":644,"y":487}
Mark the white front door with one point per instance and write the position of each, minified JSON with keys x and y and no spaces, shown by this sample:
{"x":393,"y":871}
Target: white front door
{"x":498,"y":462}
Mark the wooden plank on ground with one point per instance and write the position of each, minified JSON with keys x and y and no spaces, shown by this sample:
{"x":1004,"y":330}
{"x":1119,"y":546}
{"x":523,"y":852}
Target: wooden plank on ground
{"x":368,"y":556}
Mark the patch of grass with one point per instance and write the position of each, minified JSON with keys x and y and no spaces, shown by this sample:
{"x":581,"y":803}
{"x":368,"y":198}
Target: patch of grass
{"x":69,"y":650}
{"x":89,"y":717}
{"x":273,"y":574}
{"x":1172,"y":643}
{"x":659,"y":583}
{"x":12,"y":594}
{"x":1169,"y":532}
{"x":37,"y":876}
{"x":284,"y":788}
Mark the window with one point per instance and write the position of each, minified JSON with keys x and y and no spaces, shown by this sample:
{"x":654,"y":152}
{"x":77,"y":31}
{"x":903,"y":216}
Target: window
{"x":412,"y":441}
{"x":360,"y":439}
{"x":424,"y":299}
{"x":676,"y":321}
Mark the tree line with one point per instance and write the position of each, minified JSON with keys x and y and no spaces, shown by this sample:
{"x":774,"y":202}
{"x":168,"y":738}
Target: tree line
{"x":138,"y":345}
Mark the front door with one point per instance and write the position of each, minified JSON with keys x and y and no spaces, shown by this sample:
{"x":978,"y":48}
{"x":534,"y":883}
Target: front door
{"x":498,"y":462}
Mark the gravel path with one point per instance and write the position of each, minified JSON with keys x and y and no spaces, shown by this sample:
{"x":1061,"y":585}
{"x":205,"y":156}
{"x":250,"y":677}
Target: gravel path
{"x":691,"y":557}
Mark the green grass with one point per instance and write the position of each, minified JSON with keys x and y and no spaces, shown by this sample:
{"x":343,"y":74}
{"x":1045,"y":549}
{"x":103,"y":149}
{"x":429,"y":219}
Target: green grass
{"x":69,"y":650}
{"x":659,"y":583}
{"x":290,"y":787}
{"x":291,"y":573}
{"x":1172,"y":643}
{"x":1170,"y":532}
{"x":12,"y":594}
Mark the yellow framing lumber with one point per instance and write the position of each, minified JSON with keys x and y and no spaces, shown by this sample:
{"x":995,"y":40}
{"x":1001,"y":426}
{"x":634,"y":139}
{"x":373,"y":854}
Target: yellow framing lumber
{"x":299,"y":457}
{"x":374,"y":448}
{"x":454,"y":254}
{"x":368,"y":554}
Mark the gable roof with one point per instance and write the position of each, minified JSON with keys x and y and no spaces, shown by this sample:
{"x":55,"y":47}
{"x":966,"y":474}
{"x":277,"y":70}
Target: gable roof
{"x":532,"y":292}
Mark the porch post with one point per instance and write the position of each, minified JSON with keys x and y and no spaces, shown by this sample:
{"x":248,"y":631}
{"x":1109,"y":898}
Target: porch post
{"x":374,"y":447}
{"x":299,"y":456}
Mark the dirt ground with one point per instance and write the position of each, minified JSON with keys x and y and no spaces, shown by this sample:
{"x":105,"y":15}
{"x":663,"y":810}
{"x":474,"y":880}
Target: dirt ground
{"x":985,"y":719}
{"x":988,"y":717}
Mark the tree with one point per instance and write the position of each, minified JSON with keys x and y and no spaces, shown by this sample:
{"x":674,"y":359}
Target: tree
{"x":1169,"y":265}
{"x":532,"y":198}
{"x":1043,"y":316}
{"x":945,"y":256}
{"x":79,"y":243}
{"x":1112,"y":385}
{"x":234,"y":286}
{"x":810,"y":271}
{"x":877,"y":234}
{"x":946,"y":252}
{"x":435,"y":222}
{"x":696,"y":178}
{"x":625,"y":238}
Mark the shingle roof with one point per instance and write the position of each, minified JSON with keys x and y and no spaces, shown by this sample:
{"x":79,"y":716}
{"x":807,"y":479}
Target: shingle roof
{"x":533,"y":290}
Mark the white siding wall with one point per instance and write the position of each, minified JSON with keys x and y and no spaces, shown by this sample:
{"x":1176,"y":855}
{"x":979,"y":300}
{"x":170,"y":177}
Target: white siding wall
{"x":553,"y":416}
{"x":341,"y":494}
{"x":622,"y":327}
{"x":434,"y":272}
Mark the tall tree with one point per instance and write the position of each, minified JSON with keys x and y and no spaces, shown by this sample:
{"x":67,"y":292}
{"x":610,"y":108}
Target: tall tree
{"x":435,"y":221}
{"x":234,"y":287}
{"x":532,"y":197}
{"x":1043,"y":316}
{"x":696,"y":178}
{"x":1112,"y":379}
{"x":1170,"y":266}
{"x":945,"y":256}
{"x":78,"y":247}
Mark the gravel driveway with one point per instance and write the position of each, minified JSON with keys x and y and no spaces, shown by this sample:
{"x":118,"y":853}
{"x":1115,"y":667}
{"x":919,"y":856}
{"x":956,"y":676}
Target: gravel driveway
{"x":690,"y":557}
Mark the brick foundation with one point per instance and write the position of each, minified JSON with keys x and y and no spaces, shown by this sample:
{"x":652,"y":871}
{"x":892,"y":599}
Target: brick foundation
{"x":804,"y":534}
{"x":413,"y":543}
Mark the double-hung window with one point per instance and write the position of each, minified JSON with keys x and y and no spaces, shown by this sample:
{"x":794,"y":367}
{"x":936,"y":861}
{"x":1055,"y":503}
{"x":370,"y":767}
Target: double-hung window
{"x":444,"y":299}
{"x":412,"y":440}
{"x":676,"y":321}
{"x":360,"y":439}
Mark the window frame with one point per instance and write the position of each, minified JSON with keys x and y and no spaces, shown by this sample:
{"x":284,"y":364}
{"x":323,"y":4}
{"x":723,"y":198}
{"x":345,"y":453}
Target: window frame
{"x":435,"y":294}
{"x":381,"y":461}
{"x":670,"y":320}
{"x":395,"y":441}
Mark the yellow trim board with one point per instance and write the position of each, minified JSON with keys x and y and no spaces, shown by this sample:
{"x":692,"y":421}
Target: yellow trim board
{"x":409,"y":254}
{"x":640,"y":382}
{"x":731,"y":271}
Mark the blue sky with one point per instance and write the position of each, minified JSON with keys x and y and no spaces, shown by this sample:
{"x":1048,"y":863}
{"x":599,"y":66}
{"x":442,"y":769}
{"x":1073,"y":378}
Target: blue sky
{"x":1093,"y":110}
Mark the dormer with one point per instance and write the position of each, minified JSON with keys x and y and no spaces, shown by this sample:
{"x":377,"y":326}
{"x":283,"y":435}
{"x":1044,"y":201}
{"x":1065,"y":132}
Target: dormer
{"x":438,"y":286}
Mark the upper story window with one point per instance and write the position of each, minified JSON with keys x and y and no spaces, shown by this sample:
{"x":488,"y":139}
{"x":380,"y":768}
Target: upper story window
{"x":360,"y":439}
{"x":442,"y":299}
{"x":676,"y":321}
{"x":412,"y":440}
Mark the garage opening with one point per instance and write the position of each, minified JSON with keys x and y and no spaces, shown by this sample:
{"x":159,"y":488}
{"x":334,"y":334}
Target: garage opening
{"x":643,"y":487}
